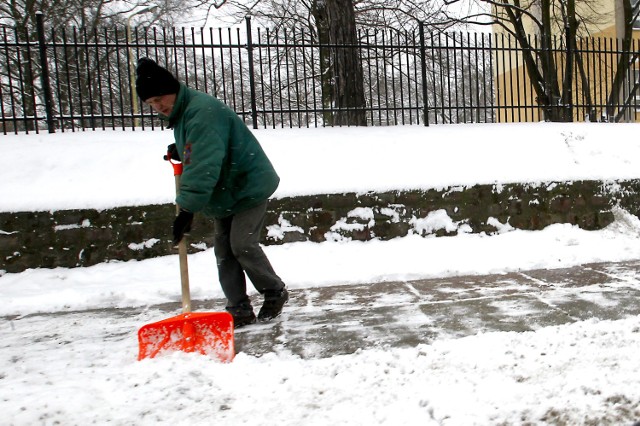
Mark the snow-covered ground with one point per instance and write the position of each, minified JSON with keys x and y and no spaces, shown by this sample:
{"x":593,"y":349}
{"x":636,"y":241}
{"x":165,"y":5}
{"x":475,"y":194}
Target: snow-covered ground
{"x":81,"y":368}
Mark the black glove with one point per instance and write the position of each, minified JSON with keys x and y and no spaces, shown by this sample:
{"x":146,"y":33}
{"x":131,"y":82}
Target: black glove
{"x":172,"y":153}
{"x":181,"y":225}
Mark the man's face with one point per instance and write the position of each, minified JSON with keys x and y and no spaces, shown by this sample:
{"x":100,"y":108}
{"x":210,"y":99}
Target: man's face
{"x":162,"y":104}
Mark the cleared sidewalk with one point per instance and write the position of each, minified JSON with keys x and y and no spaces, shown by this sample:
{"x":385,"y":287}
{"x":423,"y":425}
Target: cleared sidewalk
{"x":328,"y":321}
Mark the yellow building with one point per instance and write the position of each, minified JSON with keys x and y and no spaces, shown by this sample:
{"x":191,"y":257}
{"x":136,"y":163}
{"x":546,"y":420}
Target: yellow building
{"x":596,"y":54}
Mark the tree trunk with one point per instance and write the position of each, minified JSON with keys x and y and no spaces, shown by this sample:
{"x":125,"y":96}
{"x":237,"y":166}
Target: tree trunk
{"x":348,"y":81}
{"x":623,"y":65}
{"x":567,"y":84}
{"x":319,"y":12}
{"x":541,"y":66}
{"x":28,"y":89}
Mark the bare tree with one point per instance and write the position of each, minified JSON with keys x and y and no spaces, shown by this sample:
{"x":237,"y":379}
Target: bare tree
{"x":347,"y":89}
{"x":93,"y":13}
{"x":551,"y":78}
{"x":626,"y":60}
{"x":387,"y":14}
{"x":70,"y":20}
{"x":334,"y":23}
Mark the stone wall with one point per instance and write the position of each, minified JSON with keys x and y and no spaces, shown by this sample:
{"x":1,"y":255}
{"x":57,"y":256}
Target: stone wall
{"x":73,"y":238}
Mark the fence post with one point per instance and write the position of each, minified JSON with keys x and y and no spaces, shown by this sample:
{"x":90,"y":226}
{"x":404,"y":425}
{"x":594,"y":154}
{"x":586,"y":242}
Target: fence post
{"x":44,"y":77}
{"x":423,"y":65}
{"x":252,"y":81}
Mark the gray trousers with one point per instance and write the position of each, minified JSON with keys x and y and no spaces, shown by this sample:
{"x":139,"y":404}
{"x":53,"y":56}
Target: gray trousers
{"x":237,"y":249}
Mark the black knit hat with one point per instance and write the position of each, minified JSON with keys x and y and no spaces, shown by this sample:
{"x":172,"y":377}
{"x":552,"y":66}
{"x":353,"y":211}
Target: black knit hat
{"x":154,"y":80}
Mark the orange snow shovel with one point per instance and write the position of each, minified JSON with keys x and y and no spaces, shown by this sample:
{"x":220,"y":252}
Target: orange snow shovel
{"x":209,"y":333}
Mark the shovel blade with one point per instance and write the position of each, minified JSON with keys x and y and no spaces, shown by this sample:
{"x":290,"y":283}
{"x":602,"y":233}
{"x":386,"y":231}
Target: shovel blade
{"x":209,"y":333}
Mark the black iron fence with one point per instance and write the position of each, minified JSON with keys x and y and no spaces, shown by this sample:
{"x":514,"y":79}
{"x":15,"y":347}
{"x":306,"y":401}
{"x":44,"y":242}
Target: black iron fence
{"x":67,"y":79}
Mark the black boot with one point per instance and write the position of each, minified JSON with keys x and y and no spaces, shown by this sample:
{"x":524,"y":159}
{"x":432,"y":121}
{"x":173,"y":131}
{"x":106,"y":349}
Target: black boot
{"x":242,"y":314}
{"x":273,"y":303}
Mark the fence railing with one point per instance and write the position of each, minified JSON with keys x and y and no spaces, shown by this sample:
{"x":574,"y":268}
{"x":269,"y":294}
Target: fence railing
{"x":68,"y":79}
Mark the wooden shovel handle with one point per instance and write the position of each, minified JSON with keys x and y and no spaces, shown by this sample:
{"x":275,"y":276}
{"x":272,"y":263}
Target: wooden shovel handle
{"x":184,"y":267}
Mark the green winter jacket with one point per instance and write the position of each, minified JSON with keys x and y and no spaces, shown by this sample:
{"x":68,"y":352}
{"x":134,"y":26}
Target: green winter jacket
{"x":225,"y":170}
